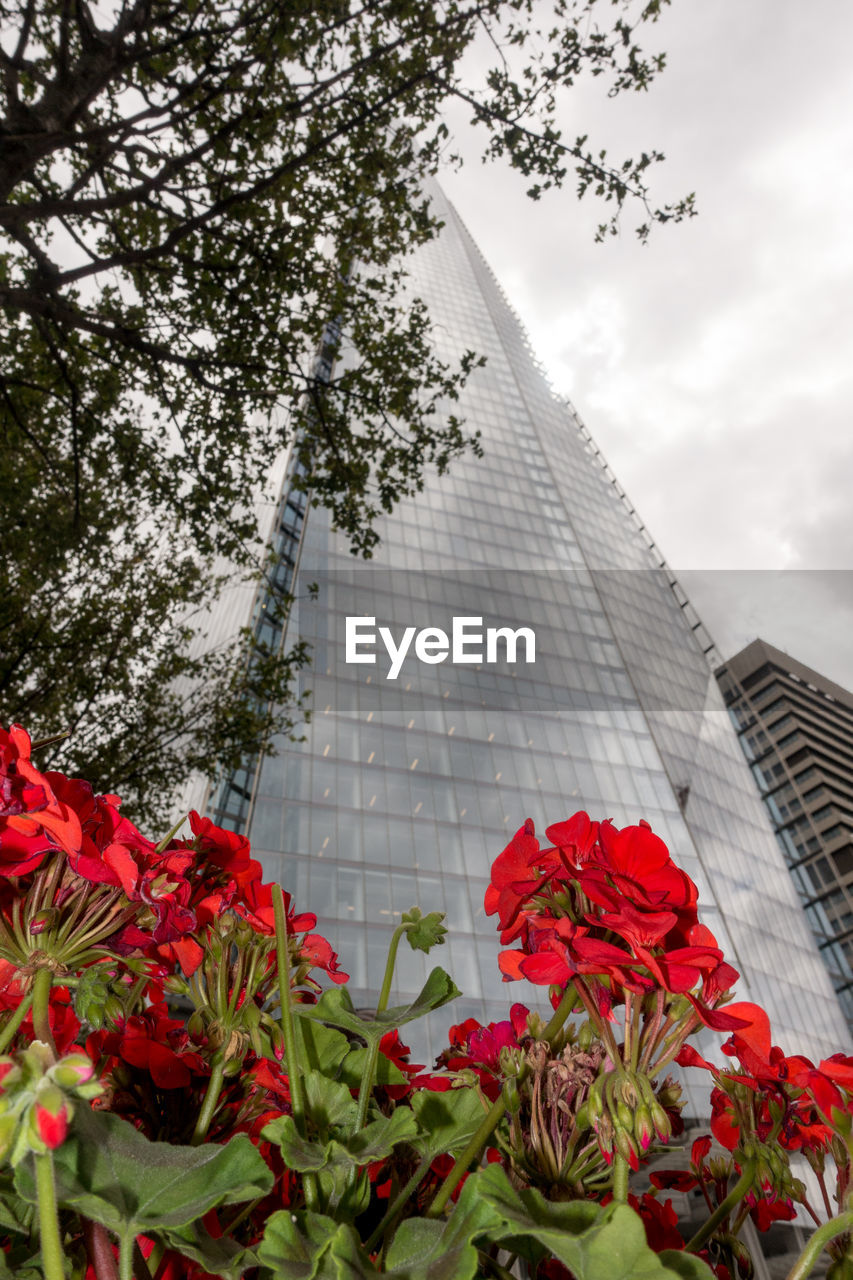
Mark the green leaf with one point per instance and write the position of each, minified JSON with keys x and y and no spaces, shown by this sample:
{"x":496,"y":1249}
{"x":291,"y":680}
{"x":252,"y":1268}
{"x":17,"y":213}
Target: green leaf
{"x":294,"y":1244}
{"x":379,"y":1138}
{"x":375,"y":1141}
{"x":423,"y":1250}
{"x":335,"y":1007}
{"x":337,"y":1010}
{"x":109,"y":1172}
{"x":15,"y":1214}
{"x":20,"y":1263}
{"x":328,"y":1103}
{"x":424,"y":932}
{"x":439,"y":989}
{"x":301,"y":1154}
{"x":595,"y":1243}
{"x":352,"y":1069}
{"x":320,"y":1048}
{"x":311,"y":1246}
{"x":446,"y":1120}
{"x":222,"y":1258}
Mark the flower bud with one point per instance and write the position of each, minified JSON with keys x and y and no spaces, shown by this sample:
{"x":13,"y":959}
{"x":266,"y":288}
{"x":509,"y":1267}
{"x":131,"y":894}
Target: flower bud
{"x":643,"y":1129}
{"x":114,"y":1010}
{"x":626,"y":1147}
{"x":586,"y":1035}
{"x":510,"y":1060}
{"x":509,"y":1093}
{"x":661,"y":1121}
{"x":277,"y":1040}
{"x":232,"y":1067}
{"x":628,"y":1092}
{"x":175,"y":985}
{"x":195,"y":1025}
{"x":624,"y":1116}
{"x":742,"y":1257}
{"x":669,"y":1094}
{"x":72,"y":1070}
{"x":251,"y":1015}
{"x":42,"y":920}
{"x":50,"y":1116}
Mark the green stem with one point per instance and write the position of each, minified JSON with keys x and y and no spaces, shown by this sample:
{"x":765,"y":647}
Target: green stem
{"x":51,"y":1245}
{"x":42,"y":983}
{"x":252,"y":1205}
{"x":671,"y":1046}
{"x":294,"y":1069}
{"x":399,"y":1203}
{"x":601,"y":1026}
{"x":635,"y":1033}
{"x":495,"y":1113}
{"x":211,"y":1099}
{"x":722,"y":1211}
{"x":366,"y":1087}
{"x":620,"y":1179}
{"x":7,"y":1035}
{"x":821,"y":1238}
{"x":385,"y":992}
{"x":125,"y":1258}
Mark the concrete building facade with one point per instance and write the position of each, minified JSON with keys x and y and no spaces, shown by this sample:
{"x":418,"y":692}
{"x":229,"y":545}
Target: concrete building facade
{"x":796,"y":729}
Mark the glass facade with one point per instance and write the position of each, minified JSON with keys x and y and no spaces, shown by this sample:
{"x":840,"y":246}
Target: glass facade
{"x":403,"y":791}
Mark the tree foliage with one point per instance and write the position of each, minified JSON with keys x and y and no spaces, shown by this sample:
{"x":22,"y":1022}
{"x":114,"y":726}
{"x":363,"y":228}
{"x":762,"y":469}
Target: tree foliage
{"x":188,"y":192}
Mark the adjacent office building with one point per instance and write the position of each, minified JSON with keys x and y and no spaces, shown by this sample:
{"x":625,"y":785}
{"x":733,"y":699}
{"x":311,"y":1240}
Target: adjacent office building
{"x":796,"y":730}
{"x":414,"y":771}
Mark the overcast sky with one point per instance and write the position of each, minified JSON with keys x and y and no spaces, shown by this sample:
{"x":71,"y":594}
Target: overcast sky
{"x":714,"y":367}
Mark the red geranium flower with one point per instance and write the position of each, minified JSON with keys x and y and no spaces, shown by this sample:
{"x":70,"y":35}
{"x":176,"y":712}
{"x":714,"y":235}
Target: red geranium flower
{"x":33,"y":819}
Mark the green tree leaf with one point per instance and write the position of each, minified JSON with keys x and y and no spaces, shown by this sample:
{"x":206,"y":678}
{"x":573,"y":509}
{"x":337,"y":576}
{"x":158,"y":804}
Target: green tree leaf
{"x":151,"y":372}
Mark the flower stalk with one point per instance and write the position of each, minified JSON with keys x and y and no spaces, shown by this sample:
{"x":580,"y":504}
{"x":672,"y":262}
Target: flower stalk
{"x":51,"y":1244}
{"x":42,"y":984}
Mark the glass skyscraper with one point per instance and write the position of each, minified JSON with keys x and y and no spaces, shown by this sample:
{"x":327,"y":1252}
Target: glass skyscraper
{"x":404,"y":790}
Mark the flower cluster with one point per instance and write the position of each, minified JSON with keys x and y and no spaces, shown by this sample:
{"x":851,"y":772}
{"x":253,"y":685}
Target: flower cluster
{"x":100,"y":928}
{"x":611,"y":906}
{"x":162,"y":993}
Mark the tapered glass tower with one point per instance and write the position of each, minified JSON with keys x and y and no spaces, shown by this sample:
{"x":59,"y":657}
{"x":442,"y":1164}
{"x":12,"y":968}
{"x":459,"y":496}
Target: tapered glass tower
{"x":405,"y":789}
